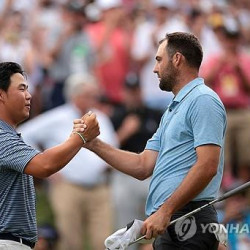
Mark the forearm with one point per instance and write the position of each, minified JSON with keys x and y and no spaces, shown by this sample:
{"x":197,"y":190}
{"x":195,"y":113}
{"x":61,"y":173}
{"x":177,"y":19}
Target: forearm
{"x":196,"y":180}
{"x":122,"y":135}
{"x":126,"y":162}
{"x":56,"y":50}
{"x":52,"y":160}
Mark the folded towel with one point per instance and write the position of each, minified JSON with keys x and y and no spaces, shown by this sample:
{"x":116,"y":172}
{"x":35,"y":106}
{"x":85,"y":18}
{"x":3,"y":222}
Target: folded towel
{"x":122,"y":238}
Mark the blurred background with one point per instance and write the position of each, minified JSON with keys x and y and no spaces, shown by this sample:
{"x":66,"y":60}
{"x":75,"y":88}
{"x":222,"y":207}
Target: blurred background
{"x":115,"y":41}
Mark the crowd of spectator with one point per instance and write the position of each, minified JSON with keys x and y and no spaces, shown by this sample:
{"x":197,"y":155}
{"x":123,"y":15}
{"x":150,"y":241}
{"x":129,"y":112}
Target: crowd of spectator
{"x":115,"y":41}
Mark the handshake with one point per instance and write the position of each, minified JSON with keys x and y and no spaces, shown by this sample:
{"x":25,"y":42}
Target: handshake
{"x":87,"y":127}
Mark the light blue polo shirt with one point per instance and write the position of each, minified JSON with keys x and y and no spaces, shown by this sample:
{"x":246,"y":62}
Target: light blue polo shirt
{"x":195,"y":117}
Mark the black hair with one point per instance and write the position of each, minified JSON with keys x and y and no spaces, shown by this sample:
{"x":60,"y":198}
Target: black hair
{"x":7,"y":69}
{"x":187,"y":44}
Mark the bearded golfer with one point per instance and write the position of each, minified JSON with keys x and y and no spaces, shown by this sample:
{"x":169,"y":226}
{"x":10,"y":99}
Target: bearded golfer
{"x":185,"y":155}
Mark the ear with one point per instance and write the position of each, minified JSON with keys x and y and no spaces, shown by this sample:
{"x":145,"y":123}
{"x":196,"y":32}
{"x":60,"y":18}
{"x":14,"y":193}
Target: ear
{"x":177,"y":59}
{"x":2,"y":95}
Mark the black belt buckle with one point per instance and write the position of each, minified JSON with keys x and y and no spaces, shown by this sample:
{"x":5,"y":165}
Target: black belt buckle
{"x":9,"y":236}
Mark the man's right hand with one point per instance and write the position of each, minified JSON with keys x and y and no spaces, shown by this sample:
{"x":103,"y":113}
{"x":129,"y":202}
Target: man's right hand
{"x":88,"y":126}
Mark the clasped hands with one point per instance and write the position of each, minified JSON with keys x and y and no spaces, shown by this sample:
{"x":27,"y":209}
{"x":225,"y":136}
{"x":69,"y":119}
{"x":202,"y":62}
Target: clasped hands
{"x":155,"y":224}
{"x":87,"y":126}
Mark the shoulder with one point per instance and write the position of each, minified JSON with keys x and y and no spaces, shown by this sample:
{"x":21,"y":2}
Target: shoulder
{"x":207,"y":99}
{"x":7,"y":130}
{"x":6,"y":134}
{"x":204,"y":91}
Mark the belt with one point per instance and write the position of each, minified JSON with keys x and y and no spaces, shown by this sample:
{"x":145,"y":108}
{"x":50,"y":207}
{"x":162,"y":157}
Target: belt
{"x":9,"y":236}
{"x":192,"y":205}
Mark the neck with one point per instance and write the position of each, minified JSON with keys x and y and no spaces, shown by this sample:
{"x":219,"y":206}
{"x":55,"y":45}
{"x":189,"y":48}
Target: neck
{"x":8,"y":118}
{"x":183,"y":80}
{"x":12,"y":124}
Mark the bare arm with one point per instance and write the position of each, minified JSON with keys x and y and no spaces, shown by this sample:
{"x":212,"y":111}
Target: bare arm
{"x":139,"y":166}
{"x":54,"y":159}
{"x":67,"y":32}
{"x":130,"y":125}
{"x":196,"y":180}
{"x":5,"y":10}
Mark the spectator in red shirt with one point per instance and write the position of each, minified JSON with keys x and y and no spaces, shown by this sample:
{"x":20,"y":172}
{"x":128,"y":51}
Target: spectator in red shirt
{"x":112,"y":45}
{"x":229,"y":75}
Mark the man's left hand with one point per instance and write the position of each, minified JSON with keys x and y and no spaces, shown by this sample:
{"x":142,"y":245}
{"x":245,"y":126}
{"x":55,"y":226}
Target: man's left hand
{"x":155,"y":224}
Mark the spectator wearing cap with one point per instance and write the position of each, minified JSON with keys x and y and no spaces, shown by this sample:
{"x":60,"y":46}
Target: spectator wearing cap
{"x":228,"y":74}
{"x":134,"y":124}
{"x":14,"y":45}
{"x":145,"y":42}
{"x":72,"y":53}
{"x":112,"y":45}
{"x":197,"y":22}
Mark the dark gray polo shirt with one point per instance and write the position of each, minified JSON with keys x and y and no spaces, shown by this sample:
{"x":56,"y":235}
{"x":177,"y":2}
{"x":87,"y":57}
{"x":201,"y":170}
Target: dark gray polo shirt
{"x":17,"y":192}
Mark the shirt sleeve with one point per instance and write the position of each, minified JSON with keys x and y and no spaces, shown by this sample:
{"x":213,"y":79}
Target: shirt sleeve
{"x":208,"y":121}
{"x":15,"y":154}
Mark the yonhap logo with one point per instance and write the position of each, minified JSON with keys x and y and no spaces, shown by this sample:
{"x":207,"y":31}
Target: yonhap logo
{"x":186,"y":228}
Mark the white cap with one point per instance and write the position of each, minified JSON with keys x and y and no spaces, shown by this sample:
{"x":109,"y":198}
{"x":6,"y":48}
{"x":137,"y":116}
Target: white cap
{"x":231,"y":24}
{"x":170,"y":4}
{"x":108,"y":4}
{"x":93,"y":12}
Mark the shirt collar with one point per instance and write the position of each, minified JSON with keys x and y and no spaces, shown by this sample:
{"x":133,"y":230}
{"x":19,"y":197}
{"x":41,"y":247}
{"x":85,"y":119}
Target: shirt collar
{"x":187,"y":89}
{"x":4,"y":125}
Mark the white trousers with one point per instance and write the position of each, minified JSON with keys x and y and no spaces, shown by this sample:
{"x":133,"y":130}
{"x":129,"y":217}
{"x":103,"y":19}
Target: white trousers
{"x":12,"y":245}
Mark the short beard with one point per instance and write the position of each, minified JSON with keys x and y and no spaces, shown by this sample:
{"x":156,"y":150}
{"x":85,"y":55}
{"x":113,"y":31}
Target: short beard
{"x":169,"y":79}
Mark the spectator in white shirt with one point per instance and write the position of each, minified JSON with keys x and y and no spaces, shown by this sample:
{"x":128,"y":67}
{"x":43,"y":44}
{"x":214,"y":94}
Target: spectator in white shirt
{"x":80,"y":194}
{"x":146,"y":37}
